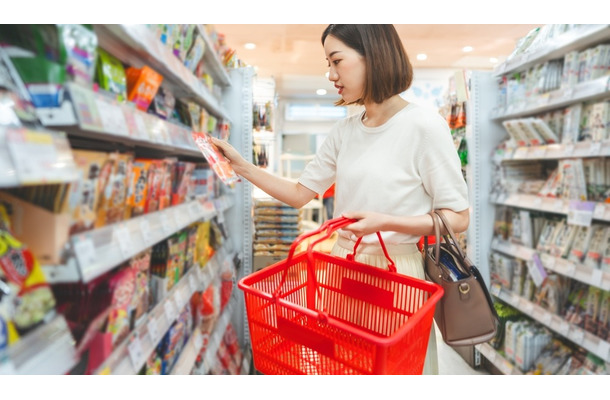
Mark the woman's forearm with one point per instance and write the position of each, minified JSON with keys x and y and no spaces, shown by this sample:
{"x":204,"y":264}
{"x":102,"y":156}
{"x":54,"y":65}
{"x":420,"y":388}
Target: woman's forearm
{"x":292,"y":193}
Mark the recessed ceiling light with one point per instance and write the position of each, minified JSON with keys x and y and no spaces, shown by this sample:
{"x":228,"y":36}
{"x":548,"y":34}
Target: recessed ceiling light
{"x":493,"y":60}
{"x":467,"y":49}
{"x":250,"y":46}
{"x":422,"y":56}
{"x":321,"y":92}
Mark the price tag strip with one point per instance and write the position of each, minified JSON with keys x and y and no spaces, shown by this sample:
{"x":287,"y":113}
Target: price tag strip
{"x":581,"y":213}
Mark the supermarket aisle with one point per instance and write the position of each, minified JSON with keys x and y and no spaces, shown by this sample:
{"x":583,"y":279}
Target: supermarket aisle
{"x":451,"y":363}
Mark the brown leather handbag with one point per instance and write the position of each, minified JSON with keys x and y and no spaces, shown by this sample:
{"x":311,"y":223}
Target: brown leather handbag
{"x":465,"y":314}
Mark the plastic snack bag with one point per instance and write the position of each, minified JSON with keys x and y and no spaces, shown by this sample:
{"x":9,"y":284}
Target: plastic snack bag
{"x":219,"y":165}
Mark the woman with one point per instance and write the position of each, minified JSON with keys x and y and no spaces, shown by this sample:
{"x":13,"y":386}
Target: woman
{"x":391,"y":164}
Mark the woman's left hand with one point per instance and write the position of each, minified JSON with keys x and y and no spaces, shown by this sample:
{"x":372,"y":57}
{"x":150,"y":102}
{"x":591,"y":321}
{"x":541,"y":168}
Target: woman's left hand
{"x":368,"y":222}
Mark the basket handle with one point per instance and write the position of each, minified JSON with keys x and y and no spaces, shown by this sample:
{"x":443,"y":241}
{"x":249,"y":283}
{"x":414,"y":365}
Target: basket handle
{"x":329,"y":227}
{"x":391,"y":265}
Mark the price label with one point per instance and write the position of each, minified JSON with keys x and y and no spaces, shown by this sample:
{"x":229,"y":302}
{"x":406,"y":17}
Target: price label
{"x":121,"y":235}
{"x":208,"y":207}
{"x":558,"y":205}
{"x":581,"y":213}
{"x":84,"y":249}
{"x":193,"y":283}
{"x":546,"y":319}
{"x":563,"y":328}
{"x":166,"y":224}
{"x":198,"y":340}
{"x":568,"y":149}
{"x":86,"y":109}
{"x":568,"y":94}
{"x":153,"y":330}
{"x":596,"y":277}
{"x":577,"y":335}
{"x":179,"y":299}
{"x":113,"y":119}
{"x":170,"y":310}
{"x":600,"y":211}
{"x":595,"y":148}
{"x":526,"y":306}
{"x":570,"y":269}
{"x":194,"y":209}
{"x":521,"y":153}
{"x":538,"y":152}
{"x":603,"y":350}
{"x":537,"y":202}
{"x":34,"y":155}
{"x":136,"y":355}
{"x":145,"y":230}
{"x":141,"y":130}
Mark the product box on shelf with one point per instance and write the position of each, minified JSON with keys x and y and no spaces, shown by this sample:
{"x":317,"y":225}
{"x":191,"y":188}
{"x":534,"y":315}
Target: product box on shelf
{"x":26,"y":219}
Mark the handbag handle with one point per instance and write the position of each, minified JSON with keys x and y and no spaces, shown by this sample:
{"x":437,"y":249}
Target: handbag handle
{"x":451,"y":234}
{"x":436,"y":215}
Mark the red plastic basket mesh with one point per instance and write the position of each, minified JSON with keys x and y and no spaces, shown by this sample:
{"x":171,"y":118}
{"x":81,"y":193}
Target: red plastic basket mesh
{"x":352,"y":319}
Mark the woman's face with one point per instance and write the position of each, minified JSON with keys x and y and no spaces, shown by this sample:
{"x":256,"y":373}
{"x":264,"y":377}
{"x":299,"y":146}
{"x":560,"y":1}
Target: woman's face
{"x":347,"y":69}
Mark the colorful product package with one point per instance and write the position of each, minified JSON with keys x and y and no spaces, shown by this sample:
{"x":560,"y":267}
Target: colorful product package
{"x":122,"y":285}
{"x":111,"y":74}
{"x":165,"y":182}
{"x":140,"y":303}
{"x":182,"y":182}
{"x":113,"y":197}
{"x":217,"y":161}
{"x":94,"y":171}
{"x":203,"y":249}
{"x":26,"y":298}
{"x":138,"y":190}
{"x":142,"y":86}
{"x":80,"y":43}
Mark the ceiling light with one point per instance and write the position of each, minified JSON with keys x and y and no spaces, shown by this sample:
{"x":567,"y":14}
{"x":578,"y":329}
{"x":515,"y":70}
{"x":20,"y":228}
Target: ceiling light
{"x":422,"y":56}
{"x":250,"y":46}
{"x":467,"y":49}
{"x":493,"y":60}
{"x":321,"y":92}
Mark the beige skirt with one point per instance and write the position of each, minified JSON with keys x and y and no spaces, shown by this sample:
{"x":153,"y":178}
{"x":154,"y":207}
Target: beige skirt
{"x":408,"y":261}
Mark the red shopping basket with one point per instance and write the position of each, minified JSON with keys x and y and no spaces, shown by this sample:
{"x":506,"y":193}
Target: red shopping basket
{"x":315,"y":313}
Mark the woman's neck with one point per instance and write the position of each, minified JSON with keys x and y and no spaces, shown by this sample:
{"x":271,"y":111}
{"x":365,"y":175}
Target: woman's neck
{"x":377,"y":114}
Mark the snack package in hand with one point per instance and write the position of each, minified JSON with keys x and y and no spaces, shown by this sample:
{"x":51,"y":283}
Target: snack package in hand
{"x":219,"y":164}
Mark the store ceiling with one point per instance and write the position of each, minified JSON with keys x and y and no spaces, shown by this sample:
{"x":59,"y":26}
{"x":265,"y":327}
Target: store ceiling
{"x":292,"y":54}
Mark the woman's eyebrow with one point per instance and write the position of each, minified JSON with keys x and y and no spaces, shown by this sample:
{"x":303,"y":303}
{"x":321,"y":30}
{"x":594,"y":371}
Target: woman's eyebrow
{"x":334,"y":52}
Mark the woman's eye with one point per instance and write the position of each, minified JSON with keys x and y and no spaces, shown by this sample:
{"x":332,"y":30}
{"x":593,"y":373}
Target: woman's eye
{"x":336,"y":62}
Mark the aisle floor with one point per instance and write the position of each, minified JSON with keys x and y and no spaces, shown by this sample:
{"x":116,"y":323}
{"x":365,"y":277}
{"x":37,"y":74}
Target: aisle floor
{"x":451,"y":363}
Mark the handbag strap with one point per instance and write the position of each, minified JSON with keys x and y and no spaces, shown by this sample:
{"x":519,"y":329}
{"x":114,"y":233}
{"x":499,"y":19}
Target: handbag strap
{"x":450,"y":231}
{"x":437,"y":237}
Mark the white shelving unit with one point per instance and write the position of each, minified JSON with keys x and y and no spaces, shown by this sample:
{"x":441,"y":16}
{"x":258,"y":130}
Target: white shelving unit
{"x":88,"y":114}
{"x":486,"y":132}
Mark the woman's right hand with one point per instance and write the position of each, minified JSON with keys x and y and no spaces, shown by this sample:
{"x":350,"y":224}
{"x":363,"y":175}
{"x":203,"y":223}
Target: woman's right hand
{"x":233,"y":157}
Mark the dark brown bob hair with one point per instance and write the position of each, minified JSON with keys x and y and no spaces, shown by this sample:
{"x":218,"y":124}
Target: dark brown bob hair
{"x":388,"y":69}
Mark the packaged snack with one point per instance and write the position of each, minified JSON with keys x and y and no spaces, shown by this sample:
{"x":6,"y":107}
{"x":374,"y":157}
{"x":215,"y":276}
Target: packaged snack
{"x":142,"y":86}
{"x":182,"y":182}
{"x":603,"y":326}
{"x":594,"y":253}
{"x":138,"y":189}
{"x":80,"y":43}
{"x":122,"y":286}
{"x":111,"y":74}
{"x":165,"y":182}
{"x":195,"y":53}
{"x":163,"y":104}
{"x":26,"y":298}
{"x":113,"y":197}
{"x":94,"y":171}
{"x":591,"y":317}
{"x":140,"y":303}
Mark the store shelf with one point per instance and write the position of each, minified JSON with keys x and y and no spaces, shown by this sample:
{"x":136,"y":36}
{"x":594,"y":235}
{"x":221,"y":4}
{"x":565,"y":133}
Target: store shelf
{"x":578,"y":271}
{"x":575,"y":39}
{"x":98,"y":251}
{"x":94,"y":115}
{"x":585,"y":91}
{"x":577,"y":335}
{"x":211,"y":61}
{"x":48,"y":350}
{"x":600,"y":212}
{"x":559,"y":151}
{"x":29,"y":157}
{"x":136,"y":45}
{"x":504,"y":365}
{"x":130,"y":356}
{"x":209,"y":358}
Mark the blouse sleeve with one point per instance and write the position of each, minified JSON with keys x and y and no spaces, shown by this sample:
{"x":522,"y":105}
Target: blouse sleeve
{"x":440,"y":167}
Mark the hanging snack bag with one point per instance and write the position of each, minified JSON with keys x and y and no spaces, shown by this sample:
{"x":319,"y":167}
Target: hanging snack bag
{"x":142,"y":86}
{"x":111,"y":74}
